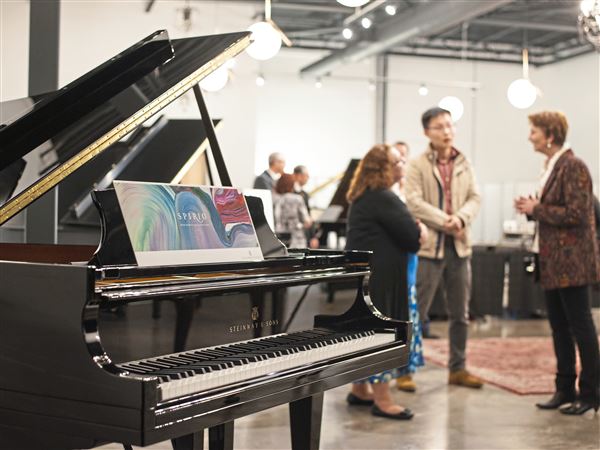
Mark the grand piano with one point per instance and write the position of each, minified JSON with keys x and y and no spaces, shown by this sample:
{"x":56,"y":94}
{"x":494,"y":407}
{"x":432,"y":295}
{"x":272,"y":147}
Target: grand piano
{"x":72,"y":375}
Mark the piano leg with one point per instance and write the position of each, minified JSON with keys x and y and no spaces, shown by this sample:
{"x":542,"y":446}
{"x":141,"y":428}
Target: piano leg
{"x":221,"y":437}
{"x":193,"y":441}
{"x":305,"y":422}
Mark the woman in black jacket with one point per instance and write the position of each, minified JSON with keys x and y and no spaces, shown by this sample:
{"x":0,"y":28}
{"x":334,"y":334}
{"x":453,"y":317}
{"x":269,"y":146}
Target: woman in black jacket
{"x":380,"y":222}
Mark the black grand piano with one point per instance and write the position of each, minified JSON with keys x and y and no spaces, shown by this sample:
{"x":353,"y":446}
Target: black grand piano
{"x":73,"y":375}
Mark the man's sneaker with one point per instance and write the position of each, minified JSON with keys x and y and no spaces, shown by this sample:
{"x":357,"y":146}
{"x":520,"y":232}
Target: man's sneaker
{"x":406,"y":383}
{"x":464,"y":378}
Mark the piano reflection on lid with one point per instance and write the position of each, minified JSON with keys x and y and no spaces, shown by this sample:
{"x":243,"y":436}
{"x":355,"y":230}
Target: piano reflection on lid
{"x":73,"y":376}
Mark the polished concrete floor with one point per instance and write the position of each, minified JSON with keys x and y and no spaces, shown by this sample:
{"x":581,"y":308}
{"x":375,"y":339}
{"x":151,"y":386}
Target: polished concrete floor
{"x":445,"y":417}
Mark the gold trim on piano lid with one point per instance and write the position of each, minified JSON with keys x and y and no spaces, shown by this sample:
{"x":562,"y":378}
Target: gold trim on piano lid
{"x":22,"y":200}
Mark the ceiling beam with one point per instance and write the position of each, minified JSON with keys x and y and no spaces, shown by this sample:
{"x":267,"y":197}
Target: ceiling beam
{"x":425,"y":19}
{"x":525,"y":25}
{"x":312,"y":7}
{"x":313,"y":32}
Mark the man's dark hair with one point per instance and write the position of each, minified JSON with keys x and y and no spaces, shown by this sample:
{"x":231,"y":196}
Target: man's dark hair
{"x":432,"y":113}
{"x":299,"y":170}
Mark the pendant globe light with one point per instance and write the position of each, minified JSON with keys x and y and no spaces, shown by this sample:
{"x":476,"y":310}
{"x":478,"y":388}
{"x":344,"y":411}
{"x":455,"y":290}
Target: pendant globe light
{"x":353,"y":3}
{"x":267,"y":37}
{"x":522,"y":93}
{"x":216,"y":80}
{"x":454,"y":105}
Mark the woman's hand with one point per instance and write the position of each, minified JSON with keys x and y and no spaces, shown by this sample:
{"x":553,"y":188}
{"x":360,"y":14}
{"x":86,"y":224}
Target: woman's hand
{"x":525,"y":205}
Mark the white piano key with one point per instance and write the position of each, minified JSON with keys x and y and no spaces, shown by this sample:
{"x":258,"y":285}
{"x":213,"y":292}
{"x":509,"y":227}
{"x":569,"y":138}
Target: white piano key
{"x":218,"y":378}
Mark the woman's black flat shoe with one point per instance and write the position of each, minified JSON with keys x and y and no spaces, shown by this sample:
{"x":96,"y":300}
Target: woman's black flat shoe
{"x":405,"y":414}
{"x":578,"y":408}
{"x":357,"y":401}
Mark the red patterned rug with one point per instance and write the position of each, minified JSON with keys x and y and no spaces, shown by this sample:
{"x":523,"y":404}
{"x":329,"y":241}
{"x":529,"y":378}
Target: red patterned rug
{"x":523,"y":365}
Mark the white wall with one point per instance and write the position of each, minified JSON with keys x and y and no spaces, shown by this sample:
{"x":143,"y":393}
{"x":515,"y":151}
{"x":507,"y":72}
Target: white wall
{"x":14,"y":49}
{"x":324,"y":128}
{"x":320,"y":128}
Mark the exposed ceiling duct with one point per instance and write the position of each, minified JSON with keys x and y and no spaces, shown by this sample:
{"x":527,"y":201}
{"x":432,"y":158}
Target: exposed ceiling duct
{"x":425,"y":19}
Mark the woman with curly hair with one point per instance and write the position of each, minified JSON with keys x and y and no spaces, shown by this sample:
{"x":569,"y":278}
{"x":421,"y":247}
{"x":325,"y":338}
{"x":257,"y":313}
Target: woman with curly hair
{"x":380,"y":222}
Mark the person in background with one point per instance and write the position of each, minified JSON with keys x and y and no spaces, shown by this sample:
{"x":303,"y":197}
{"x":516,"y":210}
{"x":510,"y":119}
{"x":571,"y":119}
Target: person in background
{"x":291,"y":215}
{"x":406,"y":383}
{"x":301,"y":177}
{"x":404,"y":380}
{"x":441,"y":191}
{"x":378,"y":221}
{"x":269,"y":177}
{"x":569,"y":261}
{"x":404,"y":150}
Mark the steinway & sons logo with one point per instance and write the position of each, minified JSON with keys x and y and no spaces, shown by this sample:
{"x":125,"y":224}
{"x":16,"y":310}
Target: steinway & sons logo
{"x":255,"y":324}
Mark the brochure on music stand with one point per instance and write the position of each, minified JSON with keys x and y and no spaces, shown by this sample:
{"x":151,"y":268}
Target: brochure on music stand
{"x":176,"y":224}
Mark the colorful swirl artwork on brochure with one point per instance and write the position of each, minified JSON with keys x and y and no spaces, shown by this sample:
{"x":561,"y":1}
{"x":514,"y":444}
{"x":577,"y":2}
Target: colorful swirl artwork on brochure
{"x":176,"y":224}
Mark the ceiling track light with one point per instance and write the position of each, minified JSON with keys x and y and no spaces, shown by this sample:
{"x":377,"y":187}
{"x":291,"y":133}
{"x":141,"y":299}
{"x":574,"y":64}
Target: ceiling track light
{"x":318,"y":83}
{"x":260,"y":80}
{"x":423,"y":90}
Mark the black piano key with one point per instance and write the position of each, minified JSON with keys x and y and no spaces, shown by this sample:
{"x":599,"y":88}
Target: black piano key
{"x":199,"y":355}
{"x":171,"y":374}
{"x":254,"y":356}
{"x":213,"y":353}
{"x":175,"y":360}
{"x":135,"y":369}
{"x":156,"y":365}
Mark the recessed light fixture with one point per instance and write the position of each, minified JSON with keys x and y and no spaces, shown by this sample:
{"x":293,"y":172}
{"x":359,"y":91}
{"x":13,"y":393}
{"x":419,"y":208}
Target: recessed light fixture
{"x":366,"y":23}
{"x":390,"y":9}
{"x":347,"y":33}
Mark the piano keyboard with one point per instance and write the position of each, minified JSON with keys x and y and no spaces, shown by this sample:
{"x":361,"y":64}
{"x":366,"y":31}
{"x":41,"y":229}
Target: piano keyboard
{"x":195,"y":371}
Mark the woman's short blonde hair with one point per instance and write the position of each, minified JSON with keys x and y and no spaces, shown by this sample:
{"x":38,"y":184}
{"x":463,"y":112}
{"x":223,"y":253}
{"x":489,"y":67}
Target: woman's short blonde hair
{"x":553,"y":123}
{"x":375,"y":171}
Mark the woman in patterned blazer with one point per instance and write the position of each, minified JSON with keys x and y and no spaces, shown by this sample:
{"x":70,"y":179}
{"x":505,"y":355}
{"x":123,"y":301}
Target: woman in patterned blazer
{"x":569,"y":261}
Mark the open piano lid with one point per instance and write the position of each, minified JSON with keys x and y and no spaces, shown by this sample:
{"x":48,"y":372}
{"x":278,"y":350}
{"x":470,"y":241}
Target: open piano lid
{"x":103,"y":106}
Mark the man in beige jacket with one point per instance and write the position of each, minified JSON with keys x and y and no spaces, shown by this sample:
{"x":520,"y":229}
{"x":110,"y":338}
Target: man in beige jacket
{"x":441,"y":192}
